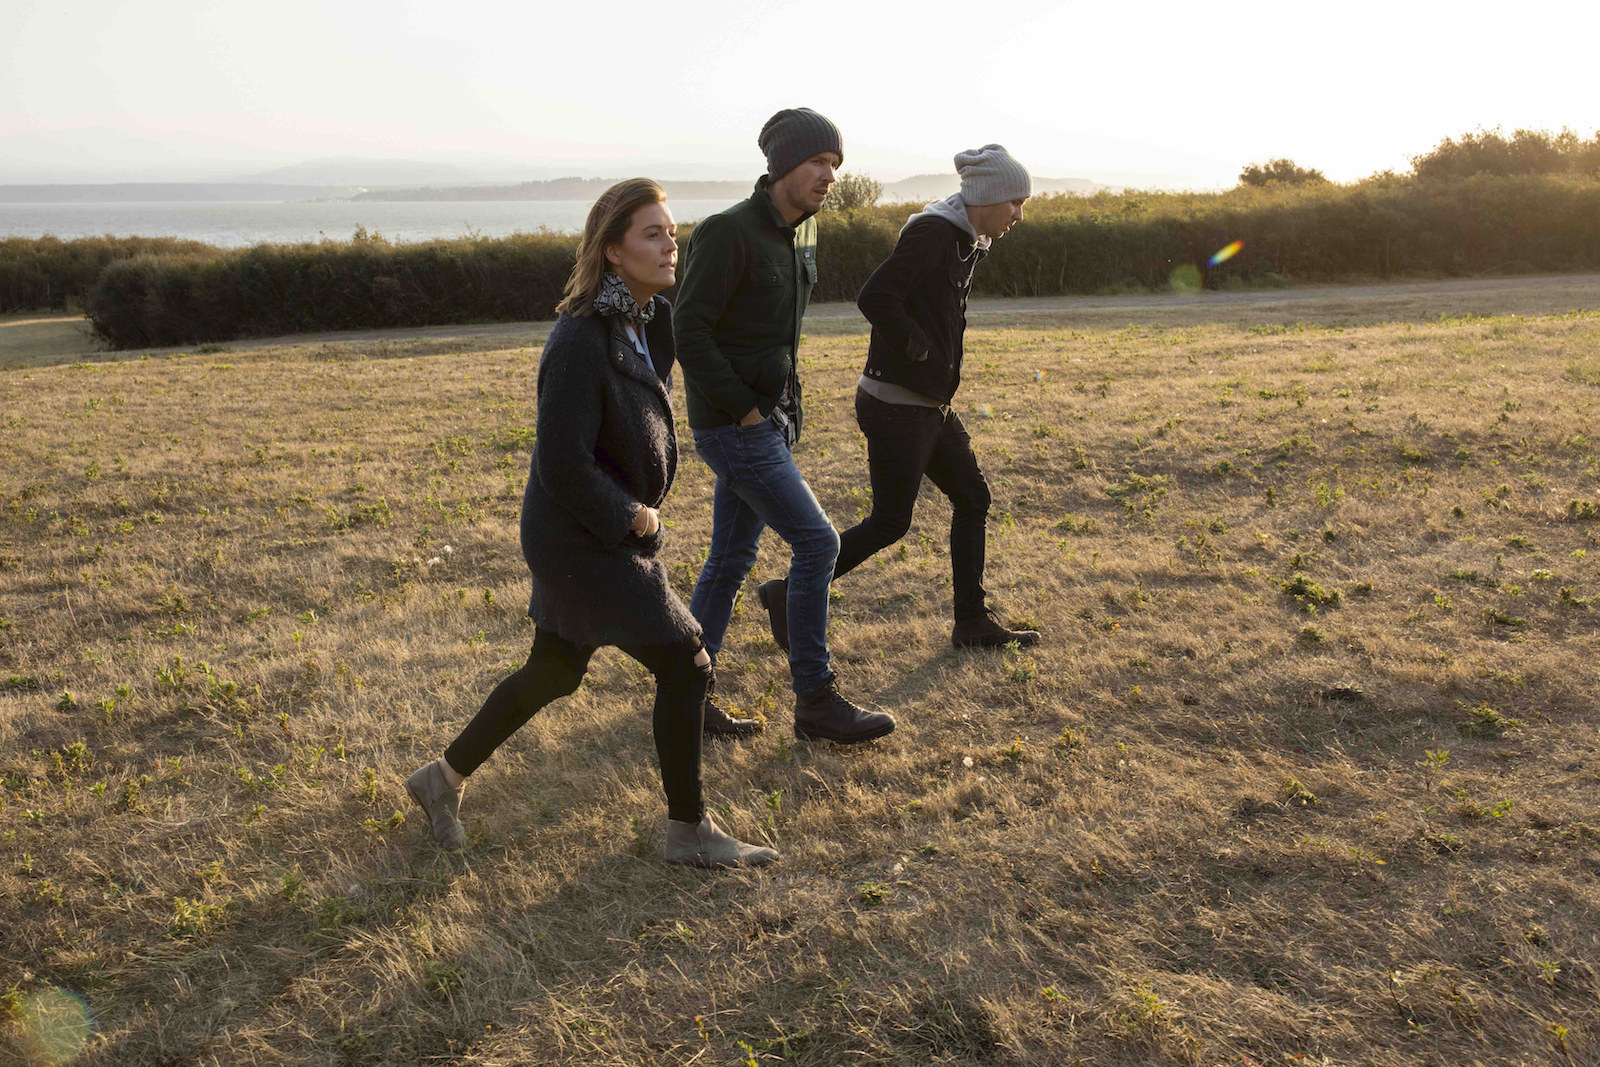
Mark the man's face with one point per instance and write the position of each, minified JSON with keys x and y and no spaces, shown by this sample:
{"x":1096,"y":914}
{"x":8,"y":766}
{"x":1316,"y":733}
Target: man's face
{"x":807,"y":185}
{"x":994,"y":220}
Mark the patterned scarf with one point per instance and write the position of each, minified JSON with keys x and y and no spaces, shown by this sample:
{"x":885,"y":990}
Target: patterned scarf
{"x":615,"y":299}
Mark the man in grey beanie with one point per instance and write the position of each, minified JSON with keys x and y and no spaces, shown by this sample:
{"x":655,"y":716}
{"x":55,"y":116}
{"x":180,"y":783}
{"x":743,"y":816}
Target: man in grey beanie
{"x":744,"y":281}
{"x":917,"y":301}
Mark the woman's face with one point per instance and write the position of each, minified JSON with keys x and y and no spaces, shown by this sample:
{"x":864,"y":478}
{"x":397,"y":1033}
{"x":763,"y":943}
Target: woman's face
{"x":647,"y":256}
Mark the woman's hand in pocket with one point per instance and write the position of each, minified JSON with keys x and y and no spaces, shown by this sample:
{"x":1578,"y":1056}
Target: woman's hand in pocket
{"x":646,"y":521}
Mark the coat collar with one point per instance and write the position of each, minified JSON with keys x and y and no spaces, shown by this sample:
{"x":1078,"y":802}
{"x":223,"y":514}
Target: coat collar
{"x":625,"y":359}
{"x":762,"y":201}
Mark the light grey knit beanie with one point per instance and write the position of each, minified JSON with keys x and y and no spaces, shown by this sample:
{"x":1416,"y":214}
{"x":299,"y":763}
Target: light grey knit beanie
{"x":990,"y":176}
{"x":793,"y":136}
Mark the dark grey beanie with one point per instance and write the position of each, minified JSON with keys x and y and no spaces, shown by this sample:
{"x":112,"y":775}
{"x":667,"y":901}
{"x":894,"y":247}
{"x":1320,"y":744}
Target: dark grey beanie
{"x":793,"y":136}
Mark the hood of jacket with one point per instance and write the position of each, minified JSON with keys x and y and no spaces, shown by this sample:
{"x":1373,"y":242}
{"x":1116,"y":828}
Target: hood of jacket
{"x":953,"y":210}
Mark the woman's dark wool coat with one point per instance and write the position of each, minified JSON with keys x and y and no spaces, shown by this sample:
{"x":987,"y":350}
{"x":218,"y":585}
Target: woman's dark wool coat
{"x":604,"y":444}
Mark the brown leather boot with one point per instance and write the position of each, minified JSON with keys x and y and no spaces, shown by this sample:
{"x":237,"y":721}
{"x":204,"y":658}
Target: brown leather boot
{"x":774,"y":596}
{"x":824,"y":715}
{"x":718,"y":723}
{"x":986,"y":632}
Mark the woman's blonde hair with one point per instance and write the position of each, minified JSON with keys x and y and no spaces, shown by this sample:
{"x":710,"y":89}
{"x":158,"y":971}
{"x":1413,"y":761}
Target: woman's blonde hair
{"x":607,"y":225}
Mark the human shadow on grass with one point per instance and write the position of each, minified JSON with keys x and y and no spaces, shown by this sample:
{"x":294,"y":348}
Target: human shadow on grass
{"x":247,"y":968}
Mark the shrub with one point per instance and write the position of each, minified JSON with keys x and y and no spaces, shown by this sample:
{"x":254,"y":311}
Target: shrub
{"x":49,"y":274}
{"x":850,"y":245}
{"x":1524,"y":152}
{"x":1377,"y":228}
{"x":1278,"y":170}
{"x":1069,"y":244}
{"x":364,"y":283}
{"x":852,"y":191}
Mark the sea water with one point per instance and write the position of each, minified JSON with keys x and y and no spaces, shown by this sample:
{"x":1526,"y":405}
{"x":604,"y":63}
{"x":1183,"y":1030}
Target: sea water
{"x":237,"y":224}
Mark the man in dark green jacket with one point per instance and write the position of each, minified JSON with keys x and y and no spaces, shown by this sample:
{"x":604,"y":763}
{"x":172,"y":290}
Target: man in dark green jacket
{"x":746,"y":276}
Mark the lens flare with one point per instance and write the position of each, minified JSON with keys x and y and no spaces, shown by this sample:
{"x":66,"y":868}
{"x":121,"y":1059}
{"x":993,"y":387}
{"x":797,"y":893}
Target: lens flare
{"x":1185,"y":279}
{"x":1225,"y":253}
{"x":56,"y":1024}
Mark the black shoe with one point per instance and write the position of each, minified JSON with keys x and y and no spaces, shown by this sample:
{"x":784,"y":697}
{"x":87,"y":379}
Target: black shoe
{"x":986,"y":632}
{"x":774,"y":596}
{"x":719,"y":724}
{"x":824,"y":715}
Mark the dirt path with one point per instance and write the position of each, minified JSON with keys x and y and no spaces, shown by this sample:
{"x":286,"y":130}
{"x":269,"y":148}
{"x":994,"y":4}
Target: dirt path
{"x":1331,"y":304}
{"x":36,"y":340}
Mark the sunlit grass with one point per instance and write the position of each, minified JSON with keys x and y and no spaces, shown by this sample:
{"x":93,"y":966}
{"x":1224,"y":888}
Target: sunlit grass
{"x":1305,"y":766}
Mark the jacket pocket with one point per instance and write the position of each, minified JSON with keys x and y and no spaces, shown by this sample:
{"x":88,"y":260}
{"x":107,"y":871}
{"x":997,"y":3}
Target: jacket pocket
{"x":764,"y":275}
{"x":646,"y":545}
{"x":770,"y":370}
{"x":917,"y":345}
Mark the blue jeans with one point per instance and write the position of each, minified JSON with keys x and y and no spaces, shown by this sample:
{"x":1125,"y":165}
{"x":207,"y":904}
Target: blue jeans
{"x":758,"y":486}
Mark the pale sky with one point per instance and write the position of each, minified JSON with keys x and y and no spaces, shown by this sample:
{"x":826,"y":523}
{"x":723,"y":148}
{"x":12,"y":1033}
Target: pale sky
{"x":1172,"y":94}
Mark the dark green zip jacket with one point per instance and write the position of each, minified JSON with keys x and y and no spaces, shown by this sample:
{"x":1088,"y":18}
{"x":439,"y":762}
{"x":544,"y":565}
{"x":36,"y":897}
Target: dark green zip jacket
{"x":746,"y":278}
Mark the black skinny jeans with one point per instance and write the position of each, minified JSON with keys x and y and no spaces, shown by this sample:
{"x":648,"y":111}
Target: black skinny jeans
{"x":904,"y":442}
{"x":555,"y":668}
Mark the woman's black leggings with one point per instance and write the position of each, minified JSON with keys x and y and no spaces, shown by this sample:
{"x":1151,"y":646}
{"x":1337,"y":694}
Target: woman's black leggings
{"x":556,"y":667}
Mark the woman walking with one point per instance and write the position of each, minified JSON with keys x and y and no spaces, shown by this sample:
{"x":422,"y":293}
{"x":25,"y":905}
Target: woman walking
{"x":604,"y":457}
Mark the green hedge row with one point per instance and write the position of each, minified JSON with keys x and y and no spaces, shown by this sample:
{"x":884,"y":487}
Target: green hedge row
{"x":1382,"y":227}
{"x":1374,"y":229}
{"x":49,"y":274}
{"x":277,"y":289}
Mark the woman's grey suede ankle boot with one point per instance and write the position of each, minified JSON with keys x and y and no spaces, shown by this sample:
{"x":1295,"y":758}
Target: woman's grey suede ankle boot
{"x":440,"y":803}
{"x":704,"y":844}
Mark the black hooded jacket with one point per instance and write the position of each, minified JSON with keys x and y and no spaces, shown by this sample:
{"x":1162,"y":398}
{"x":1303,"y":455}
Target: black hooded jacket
{"x":916,"y":302}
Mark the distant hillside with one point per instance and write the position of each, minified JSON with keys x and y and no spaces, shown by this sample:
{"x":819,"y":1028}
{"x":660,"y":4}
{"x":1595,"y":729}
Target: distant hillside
{"x":353,"y":171}
{"x":559,"y":189}
{"x":938,"y":186}
{"x":920,"y":187}
{"x":105,"y":154}
{"x":166,"y":192}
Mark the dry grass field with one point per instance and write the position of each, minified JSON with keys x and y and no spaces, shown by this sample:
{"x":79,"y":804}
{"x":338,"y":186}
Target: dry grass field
{"x":1304,"y":772}
{"x":43,"y":338}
